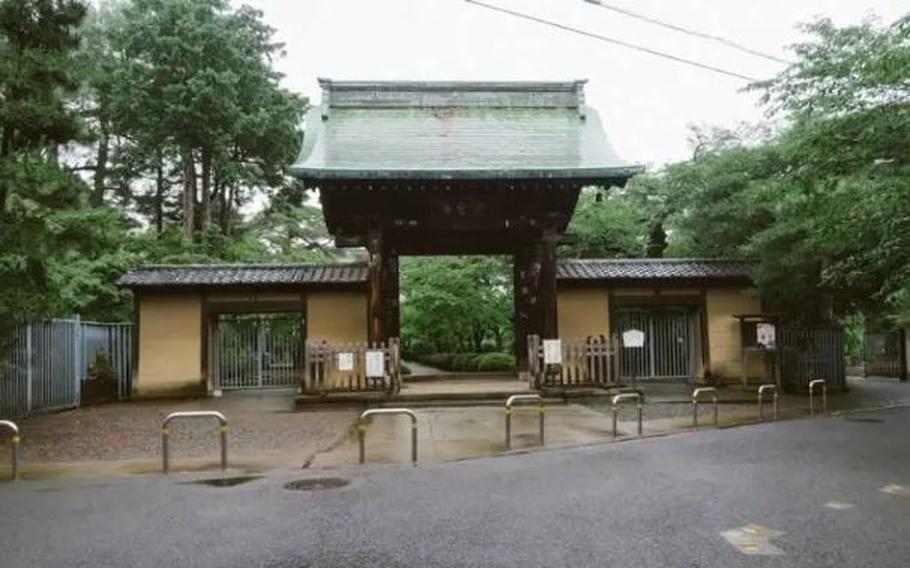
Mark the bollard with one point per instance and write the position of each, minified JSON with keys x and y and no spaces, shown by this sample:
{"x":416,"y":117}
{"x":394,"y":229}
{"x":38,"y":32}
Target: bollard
{"x":362,"y":428}
{"x":15,"y":444}
{"x":166,"y":431}
{"x":695,"y":394}
{"x":761,"y":392}
{"x":520,"y":397}
{"x":623,"y":397}
{"x":812,"y":385}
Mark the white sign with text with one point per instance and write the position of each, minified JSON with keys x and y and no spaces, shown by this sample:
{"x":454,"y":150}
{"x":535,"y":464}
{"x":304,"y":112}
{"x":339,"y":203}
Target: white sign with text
{"x":552,"y":352}
{"x":345,"y":361}
{"x":375,"y":363}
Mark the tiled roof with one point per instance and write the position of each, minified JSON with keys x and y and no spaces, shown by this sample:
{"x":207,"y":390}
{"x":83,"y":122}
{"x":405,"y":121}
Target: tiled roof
{"x":653,"y":269}
{"x":244,"y":275}
{"x":456,"y":130}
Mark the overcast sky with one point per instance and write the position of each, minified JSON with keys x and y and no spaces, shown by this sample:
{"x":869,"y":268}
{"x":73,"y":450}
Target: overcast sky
{"x":646,"y":103}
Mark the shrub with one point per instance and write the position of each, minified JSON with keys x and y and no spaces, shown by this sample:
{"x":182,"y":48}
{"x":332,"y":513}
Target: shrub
{"x":489,"y":362}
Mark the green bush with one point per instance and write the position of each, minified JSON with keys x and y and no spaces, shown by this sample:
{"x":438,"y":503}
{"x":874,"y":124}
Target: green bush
{"x":469,"y":362}
{"x":488,"y":362}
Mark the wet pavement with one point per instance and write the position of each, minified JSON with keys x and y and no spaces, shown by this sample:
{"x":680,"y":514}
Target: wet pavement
{"x":267,"y":431}
{"x":809,"y":493}
{"x":264,"y":431}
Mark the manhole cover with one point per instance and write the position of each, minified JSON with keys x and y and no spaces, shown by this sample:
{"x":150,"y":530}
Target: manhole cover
{"x":225,"y":481}
{"x":316,"y":483}
{"x":863,"y":419}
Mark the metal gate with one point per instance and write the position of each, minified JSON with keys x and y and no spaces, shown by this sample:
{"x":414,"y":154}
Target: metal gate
{"x":884,"y":354}
{"x":669,"y":348}
{"x":257,"y":351}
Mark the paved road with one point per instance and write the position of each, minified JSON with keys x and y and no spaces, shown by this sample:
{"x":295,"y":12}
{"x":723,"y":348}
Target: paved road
{"x":654,"y":502}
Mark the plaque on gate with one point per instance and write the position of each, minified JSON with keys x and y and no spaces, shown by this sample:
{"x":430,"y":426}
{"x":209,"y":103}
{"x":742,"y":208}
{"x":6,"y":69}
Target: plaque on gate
{"x":633,"y":338}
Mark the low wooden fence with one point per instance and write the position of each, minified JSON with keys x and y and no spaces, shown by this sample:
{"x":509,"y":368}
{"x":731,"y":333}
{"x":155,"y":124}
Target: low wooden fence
{"x":584,"y":362}
{"x":352,"y":367}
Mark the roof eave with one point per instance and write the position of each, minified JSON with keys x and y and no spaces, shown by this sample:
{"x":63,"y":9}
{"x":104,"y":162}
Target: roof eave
{"x":606,"y":174}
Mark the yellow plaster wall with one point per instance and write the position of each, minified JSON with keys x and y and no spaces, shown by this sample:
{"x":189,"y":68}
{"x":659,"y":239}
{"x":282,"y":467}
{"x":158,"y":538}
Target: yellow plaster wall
{"x":337,"y":317}
{"x":582,"y":312}
{"x":724,"y":333}
{"x":170,"y":338}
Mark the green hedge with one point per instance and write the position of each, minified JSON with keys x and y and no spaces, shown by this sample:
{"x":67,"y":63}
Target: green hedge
{"x":469,"y":362}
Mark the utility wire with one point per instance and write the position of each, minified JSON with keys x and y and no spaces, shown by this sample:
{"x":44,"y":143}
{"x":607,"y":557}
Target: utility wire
{"x":681,"y":29}
{"x":613,"y":41}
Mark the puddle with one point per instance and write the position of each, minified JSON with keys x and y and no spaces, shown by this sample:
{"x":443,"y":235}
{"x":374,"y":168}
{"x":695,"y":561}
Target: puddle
{"x":225,"y":481}
{"x":316,"y":484}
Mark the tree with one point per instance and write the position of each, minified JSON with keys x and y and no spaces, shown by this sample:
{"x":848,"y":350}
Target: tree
{"x":57,"y":254}
{"x":456,"y":304}
{"x":195,"y":83}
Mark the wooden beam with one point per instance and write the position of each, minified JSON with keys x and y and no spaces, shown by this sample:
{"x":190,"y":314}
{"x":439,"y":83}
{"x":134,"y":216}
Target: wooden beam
{"x":374,"y":286}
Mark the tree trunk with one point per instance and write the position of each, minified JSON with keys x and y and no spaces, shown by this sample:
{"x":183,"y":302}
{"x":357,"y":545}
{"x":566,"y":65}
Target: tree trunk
{"x":228,"y":203}
{"x":159,"y":192}
{"x":206,"y":189}
{"x":189,"y":195}
{"x":101,"y":160}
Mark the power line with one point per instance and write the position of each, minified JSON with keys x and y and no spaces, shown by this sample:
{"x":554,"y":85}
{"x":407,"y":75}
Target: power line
{"x":613,"y":41}
{"x":690,"y":31}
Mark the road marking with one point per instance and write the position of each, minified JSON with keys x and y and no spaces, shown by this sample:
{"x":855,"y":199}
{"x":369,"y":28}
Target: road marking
{"x":754,"y":539}
{"x":839,"y":505}
{"x":896,"y":490}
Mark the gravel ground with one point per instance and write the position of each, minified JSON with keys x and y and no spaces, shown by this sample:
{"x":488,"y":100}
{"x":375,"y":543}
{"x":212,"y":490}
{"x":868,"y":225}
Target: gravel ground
{"x":264,"y":428}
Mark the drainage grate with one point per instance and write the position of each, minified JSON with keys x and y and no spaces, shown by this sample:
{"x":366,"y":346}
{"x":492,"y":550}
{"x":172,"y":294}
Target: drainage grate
{"x":316,"y":483}
{"x":225,"y":481}
{"x":863,"y":419}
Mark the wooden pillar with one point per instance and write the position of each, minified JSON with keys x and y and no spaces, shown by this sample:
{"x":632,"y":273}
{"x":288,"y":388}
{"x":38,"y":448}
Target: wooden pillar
{"x":534,"y":277}
{"x":521,"y":298}
{"x":547,"y":286}
{"x":391,"y":325}
{"x":374,"y":290}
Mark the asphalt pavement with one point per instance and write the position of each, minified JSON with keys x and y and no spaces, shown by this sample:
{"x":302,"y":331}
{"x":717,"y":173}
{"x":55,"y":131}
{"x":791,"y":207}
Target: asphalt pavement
{"x":825,"y":491}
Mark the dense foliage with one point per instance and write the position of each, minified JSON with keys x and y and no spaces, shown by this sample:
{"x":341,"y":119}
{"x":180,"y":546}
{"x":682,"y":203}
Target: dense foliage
{"x":821,"y":202}
{"x":136,"y":132}
{"x":461,"y":304}
{"x":142,"y":131}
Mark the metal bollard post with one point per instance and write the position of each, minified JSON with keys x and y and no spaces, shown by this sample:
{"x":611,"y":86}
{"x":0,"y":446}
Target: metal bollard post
{"x":166,"y":431}
{"x":362,"y":428}
{"x":540,"y":408}
{"x":761,"y":399}
{"x":695,"y":394}
{"x":623,"y":397}
{"x":16,"y":438}
{"x":812,"y":385}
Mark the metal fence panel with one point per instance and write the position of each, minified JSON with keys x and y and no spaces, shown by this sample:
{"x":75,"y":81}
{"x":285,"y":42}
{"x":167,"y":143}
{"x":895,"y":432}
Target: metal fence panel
{"x":812,"y":353}
{"x":884,"y":354}
{"x":44,"y":364}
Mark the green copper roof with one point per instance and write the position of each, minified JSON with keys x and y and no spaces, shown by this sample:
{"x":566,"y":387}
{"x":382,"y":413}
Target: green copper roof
{"x":456,"y":130}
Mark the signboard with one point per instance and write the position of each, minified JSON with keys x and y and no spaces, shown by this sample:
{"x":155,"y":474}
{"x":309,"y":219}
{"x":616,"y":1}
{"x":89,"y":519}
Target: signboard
{"x":346,"y":361}
{"x":633,"y":338}
{"x":375,"y":363}
{"x":552,"y":352}
{"x":765,"y":335}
